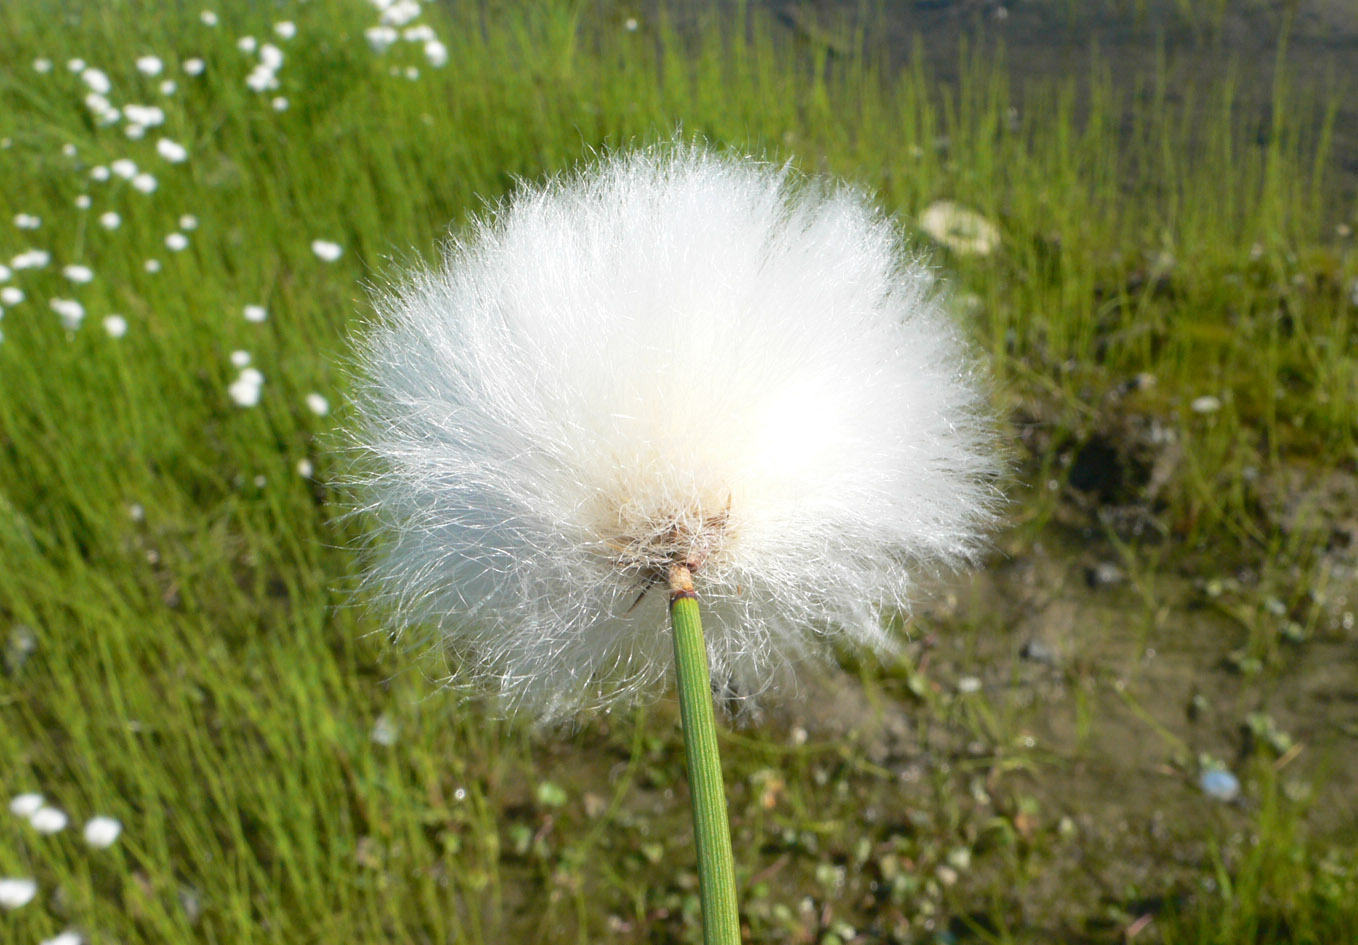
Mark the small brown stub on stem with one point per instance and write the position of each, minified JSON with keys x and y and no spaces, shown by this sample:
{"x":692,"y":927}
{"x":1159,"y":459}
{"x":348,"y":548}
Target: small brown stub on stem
{"x":681,"y":583}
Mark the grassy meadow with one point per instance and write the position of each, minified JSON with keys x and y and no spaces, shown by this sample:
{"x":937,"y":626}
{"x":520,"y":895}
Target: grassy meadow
{"x":1171,"y":322}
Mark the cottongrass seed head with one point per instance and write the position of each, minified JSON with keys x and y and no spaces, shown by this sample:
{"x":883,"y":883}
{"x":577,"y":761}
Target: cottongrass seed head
{"x":672,"y":356}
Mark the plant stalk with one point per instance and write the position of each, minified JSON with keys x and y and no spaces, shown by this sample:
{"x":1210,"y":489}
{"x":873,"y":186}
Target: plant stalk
{"x":711,"y":832}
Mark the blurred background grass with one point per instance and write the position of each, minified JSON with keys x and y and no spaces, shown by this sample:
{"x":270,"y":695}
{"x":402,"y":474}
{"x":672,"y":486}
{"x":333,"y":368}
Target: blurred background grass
{"x":1169,"y":319}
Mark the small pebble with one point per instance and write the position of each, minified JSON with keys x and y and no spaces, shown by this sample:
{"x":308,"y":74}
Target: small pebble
{"x":1035,"y":651}
{"x":1103,"y":574}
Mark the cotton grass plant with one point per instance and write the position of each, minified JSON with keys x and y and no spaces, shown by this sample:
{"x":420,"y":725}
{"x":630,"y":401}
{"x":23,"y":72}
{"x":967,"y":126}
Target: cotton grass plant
{"x":169,"y":576}
{"x":671,"y":377}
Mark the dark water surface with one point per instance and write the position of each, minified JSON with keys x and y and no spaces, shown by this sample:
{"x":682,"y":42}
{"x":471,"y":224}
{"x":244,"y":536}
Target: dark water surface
{"x":1193,"y":45}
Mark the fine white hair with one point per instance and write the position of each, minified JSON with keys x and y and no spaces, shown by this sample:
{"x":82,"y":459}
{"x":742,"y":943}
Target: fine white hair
{"x":670,"y":356}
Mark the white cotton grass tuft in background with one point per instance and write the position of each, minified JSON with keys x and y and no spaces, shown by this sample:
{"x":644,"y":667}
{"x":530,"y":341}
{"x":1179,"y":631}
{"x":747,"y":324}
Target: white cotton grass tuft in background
{"x":101,"y":832}
{"x":326,"y":250}
{"x":49,"y":819}
{"x":16,"y":892}
{"x":68,"y":937}
{"x":672,"y":356}
{"x":26,"y":804}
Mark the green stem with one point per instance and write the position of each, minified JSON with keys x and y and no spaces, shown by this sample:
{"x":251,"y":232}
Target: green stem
{"x":712,"y":834}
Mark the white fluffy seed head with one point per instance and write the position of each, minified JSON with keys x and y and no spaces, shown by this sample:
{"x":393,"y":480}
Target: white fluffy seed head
{"x":670,"y":357}
{"x":101,"y":832}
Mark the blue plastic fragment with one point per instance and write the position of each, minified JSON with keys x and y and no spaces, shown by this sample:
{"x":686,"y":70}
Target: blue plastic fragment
{"x":1220,"y":784}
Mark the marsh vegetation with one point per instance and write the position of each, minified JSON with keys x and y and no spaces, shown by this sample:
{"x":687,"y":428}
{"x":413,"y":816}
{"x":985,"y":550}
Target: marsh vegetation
{"x":1139,"y":723}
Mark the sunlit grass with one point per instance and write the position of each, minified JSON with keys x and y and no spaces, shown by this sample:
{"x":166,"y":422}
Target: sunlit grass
{"x":197,"y":669}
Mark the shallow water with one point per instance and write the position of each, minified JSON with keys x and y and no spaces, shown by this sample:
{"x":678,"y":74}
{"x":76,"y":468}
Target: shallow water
{"x":1044,"y":41}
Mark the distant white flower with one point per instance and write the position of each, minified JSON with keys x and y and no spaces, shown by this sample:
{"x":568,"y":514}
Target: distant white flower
{"x":245,"y":390}
{"x":326,"y":251}
{"x":31,"y":259}
{"x":42,"y":66}
{"x":72,"y":312}
{"x":68,"y":149}
{"x":317,"y":404}
{"x":280,"y":104}
{"x":152,"y":266}
{"x":16,"y":892}
{"x":75,"y":65}
{"x":412,"y":72}
{"x":256,"y":313}
{"x":100,"y":832}
{"x":176,"y":242}
{"x":401,"y":12}
{"x":671,"y":358}
{"x":305,"y":469}
{"x":194,"y":66}
{"x":187,"y":221}
{"x":436,"y":53}
{"x":380,"y":38}
{"x":172,"y":151}
{"x":420,"y":33}
{"x":83,"y":202}
{"x":110,"y":220}
{"x":49,"y":820}
{"x":963,"y":231}
{"x":151,"y":116}
{"x":271,"y":57}
{"x":116,"y":326}
{"x":261,"y":79}
{"x":149,"y":65}
{"x":246,"y":44}
{"x":125,"y":168}
{"x":97,"y":80}
{"x":11,"y":295}
{"x":1206,"y":404}
{"x":169,"y":87}
{"x":68,"y":937}
{"x":26,"y":805}
{"x":240,"y":358}
{"x":99,"y":172}
{"x":78,"y":274}
{"x":144,"y":182}
{"x":5,"y":272}
{"x":208,"y":18}
{"x":27,"y":221}
{"x":134,"y":131}
{"x":285,"y":29}
{"x":631,"y":24}
{"x":383,"y":732}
